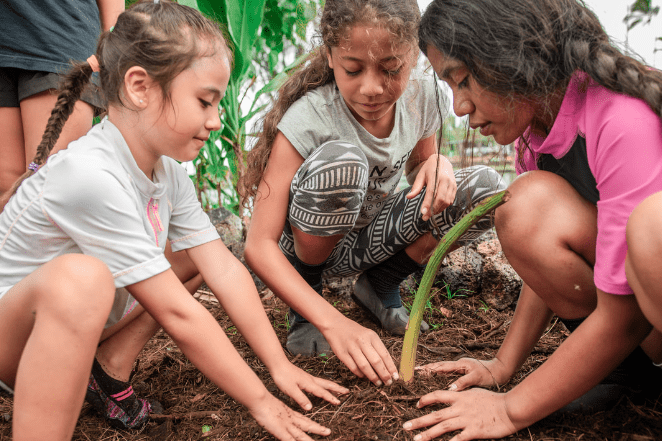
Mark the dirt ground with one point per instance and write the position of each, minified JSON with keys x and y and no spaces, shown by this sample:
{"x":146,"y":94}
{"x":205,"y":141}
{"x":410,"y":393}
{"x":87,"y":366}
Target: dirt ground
{"x":462,"y":327}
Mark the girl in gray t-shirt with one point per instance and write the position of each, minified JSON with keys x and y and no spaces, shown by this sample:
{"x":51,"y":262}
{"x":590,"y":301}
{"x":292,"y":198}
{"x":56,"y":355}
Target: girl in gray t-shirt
{"x":323,"y":182}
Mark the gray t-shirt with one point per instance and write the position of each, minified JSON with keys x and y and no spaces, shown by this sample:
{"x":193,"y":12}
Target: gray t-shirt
{"x":322,"y":115}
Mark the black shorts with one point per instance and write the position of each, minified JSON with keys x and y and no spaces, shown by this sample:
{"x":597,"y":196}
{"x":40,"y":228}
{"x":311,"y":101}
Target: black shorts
{"x":17,"y":84}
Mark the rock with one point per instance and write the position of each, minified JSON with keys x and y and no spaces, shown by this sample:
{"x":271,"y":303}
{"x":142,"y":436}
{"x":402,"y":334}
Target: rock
{"x":228,"y":225}
{"x":230,"y":228}
{"x":339,"y":286}
{"x":477,"y":269}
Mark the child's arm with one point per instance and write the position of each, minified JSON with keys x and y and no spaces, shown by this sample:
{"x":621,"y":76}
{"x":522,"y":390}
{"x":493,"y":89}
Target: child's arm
{"x":425,"y":168}
{"x":203,"y":341}
{"x":109,"y":10}
{"x":598,"y":345}
{"x":529,"y":322}
{"x":233,"y":286}
{"x":359,"y":348}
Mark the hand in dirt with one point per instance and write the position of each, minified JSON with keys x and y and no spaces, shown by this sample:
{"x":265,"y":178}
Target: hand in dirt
{"x":477,"y":413}
{"x":484,"y":373}
{"x":294,"y":381}
{"x":284,"y":423}
{"x":362,"y":351}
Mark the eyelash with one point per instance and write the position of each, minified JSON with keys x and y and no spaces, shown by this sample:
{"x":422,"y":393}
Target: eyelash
{"x":464,"y":83}
{"x":390,"y":73}
{"x":205,"y":103}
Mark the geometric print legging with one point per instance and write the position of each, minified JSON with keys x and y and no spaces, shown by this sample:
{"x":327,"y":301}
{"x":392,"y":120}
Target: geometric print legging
{"x":327,"y":193}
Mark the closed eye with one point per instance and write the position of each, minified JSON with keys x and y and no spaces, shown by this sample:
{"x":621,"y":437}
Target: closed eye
{"x":205,"y":103}
{"x":352,"y":73}
{"x":464,"y":83}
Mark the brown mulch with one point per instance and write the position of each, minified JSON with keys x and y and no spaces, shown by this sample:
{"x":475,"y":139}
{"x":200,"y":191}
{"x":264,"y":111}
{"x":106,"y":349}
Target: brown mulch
{"x":462,"y":327}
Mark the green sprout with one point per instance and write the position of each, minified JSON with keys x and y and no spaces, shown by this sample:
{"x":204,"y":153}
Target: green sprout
{"x":408,"y":359}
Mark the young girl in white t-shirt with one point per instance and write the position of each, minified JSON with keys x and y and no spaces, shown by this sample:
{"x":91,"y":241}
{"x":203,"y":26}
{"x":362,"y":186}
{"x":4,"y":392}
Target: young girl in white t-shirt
{"x":86,"y":234}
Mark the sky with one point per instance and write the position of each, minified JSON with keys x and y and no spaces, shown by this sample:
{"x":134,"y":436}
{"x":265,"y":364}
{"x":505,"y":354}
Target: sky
{"x":641,"y":38}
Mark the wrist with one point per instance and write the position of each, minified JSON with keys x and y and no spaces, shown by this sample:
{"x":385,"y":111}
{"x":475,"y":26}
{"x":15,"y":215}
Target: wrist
{"x":501,"y":372}
{"x":258,"y":402}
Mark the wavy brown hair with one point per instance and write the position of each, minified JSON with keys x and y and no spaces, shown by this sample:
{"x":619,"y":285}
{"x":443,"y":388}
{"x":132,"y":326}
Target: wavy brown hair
{"x":531,"y":48}
{"x":164,"y":38}
{"x":400,"y":18}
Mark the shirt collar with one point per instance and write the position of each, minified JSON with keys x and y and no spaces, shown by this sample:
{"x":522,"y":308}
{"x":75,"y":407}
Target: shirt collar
{"x":149,"y":188}
{"x":566,"y":125}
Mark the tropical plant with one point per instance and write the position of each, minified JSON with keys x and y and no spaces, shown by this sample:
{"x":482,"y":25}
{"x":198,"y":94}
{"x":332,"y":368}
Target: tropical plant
{"x":259,"y":31}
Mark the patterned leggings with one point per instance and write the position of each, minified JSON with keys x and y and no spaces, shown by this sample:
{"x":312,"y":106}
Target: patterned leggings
{"x":329,"y":188}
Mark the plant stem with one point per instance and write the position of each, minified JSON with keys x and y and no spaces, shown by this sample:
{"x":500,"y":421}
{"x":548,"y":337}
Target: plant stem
{"x":423,"y":294}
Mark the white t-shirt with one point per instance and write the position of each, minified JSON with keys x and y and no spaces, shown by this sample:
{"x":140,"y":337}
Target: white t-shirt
{"x":93,"y":199}
{"x":322,"y":115}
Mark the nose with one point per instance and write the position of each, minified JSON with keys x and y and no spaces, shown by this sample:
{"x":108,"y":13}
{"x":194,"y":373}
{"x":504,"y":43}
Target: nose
{"x":214,"y":120}
{"x":462,"y":105}
{"x":372,"y":84}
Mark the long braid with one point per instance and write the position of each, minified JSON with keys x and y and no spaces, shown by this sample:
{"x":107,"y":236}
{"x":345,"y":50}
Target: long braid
{"x":540,"y":44}
{"x":71,"y":88}
{"x":620,"y":73}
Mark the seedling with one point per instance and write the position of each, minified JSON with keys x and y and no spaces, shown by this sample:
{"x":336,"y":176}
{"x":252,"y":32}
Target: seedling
{"x":429,"y":307}
{"x":423,"y":294}
{"x":450,"y":295}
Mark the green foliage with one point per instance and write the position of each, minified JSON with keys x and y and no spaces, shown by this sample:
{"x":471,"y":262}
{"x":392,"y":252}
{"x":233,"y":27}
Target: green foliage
{"x":450,"y":295}
{"x":258,"y":31}
{"x":640,"y":11}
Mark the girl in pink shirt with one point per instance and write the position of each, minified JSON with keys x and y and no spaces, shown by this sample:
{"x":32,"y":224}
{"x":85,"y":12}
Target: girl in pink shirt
{"x":586,"y":119}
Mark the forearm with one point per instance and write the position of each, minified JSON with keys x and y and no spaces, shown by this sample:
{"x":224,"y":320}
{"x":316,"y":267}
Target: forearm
{"x":529,"y":322}
{"x":199,"y":336}
{"x":588,"y":355}
{"x":109,"y":10}
{"x":273,"y":268}
{"x":245,"y":309}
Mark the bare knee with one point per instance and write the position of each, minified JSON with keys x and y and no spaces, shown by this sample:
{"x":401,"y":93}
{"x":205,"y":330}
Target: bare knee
{"x":644,"y":230}
{"x":544,"y":210}
{"x":642,"y":265}
{"x":77,"y":289}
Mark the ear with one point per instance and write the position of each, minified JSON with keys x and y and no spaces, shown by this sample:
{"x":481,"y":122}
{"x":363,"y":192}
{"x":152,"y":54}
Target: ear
{"x":137,"y":84}
{"x":327,"y":49}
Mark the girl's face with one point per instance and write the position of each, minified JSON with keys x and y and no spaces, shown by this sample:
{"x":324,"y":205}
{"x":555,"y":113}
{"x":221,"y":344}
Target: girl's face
{"x":371,"y":74}
{"x":182,"y":126}
{"x":503,"y":118}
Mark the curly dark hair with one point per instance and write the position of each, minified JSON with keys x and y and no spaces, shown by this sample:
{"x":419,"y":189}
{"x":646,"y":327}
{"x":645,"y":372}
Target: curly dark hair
{"x":400,"y":18}
{"x":164,"y":38}
{"x":531,"y":48}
